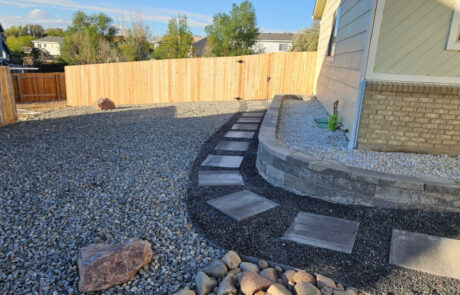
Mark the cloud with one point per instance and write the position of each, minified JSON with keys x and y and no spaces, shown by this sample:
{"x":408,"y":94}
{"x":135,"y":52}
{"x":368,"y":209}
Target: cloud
{"x":14,"y":20}
{"x":39,"y":14}
{"x":148,"y":13}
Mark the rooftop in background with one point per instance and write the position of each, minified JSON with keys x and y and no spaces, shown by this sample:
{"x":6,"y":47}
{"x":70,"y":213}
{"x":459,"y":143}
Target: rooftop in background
{"x":54,"y":39}
{"x":276,"y":36}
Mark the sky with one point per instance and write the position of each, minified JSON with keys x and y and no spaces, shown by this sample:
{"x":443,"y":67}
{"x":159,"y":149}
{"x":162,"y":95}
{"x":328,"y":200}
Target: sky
{"x":272,"y":15}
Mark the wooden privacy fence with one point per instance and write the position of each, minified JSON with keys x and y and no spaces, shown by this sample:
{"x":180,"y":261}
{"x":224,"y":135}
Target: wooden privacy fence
{"x":7,"y":105}
{"x":35,"y":87}
{"x":192,"y":79}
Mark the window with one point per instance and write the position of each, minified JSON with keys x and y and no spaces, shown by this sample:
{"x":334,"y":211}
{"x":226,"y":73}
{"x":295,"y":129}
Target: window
{"x":283,"y":47}
{"x":453,"y":43}
{"x":39,"y":45}
{"x":44,"y":45}
{"x":333,"y":39}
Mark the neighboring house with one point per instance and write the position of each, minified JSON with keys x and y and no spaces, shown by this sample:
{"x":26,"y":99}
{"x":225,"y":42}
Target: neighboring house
{"x":199,"y":46}
{"x":266,"y":43}
{"x":394,"y":67}
{"x":51,"y":45}
{"x":274,"y":42}
{"x":5,"y":52}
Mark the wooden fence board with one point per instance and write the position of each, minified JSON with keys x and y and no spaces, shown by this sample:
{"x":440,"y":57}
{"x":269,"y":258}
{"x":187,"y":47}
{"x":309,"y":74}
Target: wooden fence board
{"x":36,"y":87}
{"x":8,"y":113}
{"x":192,"y":79}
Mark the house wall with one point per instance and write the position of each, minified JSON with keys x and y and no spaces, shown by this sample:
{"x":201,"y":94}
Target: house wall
{"x":271,"y":46}
{"x":410,"y":117}
{"x":51,"y":48}
{"x":338,"y":77}
{"x":412,"y":43}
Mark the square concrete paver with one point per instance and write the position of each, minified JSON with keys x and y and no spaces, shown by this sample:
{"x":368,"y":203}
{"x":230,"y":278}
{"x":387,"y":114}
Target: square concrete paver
{"x":323,"y":231}
{"x":431,"y":254}
{"x":242,"y":205}
{"x":223,"y":161}
{"x":253,"y":114}
{"x":216,"y":178}
{"x":234,"y":146}
{"x":239,"y":134}
{"x":249,"y":120}
{"x":245,"y":126}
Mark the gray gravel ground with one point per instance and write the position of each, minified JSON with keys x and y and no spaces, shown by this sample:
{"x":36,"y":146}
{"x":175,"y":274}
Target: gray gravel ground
{"x":76,"y":176}
{"x":298,"y":130}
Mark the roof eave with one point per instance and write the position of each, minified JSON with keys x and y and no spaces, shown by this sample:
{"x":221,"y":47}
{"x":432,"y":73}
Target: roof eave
{"x":319,"y":9}
{"x":5,"y":46}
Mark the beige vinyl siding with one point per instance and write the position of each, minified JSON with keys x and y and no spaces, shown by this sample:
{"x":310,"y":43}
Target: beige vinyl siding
{"x":338,"y":77}
{"x":413,"y":38}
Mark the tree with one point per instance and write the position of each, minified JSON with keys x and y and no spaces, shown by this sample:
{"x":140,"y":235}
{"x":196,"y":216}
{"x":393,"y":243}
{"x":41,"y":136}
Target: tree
{"x":178,"y":40}
{"x":54,"y":32}
{"x":135,"y":45}
{"x":27,"y":30}
{"x":90,"y":40}
{"x":306,"y":39}
{"x":16,"y":44}
{"x":235,"y":33}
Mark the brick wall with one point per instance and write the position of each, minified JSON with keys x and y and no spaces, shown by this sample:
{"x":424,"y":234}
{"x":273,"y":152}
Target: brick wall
{"x":410,"y":118}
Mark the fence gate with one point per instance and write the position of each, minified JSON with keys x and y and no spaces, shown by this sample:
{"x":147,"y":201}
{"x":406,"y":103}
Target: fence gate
{"x":35,"y":87}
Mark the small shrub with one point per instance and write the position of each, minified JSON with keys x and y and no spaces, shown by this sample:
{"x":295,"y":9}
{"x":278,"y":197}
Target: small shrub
{"x":332,"y":123}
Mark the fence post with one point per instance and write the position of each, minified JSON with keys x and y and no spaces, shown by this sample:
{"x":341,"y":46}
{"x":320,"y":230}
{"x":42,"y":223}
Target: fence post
{"x":19,"y":89}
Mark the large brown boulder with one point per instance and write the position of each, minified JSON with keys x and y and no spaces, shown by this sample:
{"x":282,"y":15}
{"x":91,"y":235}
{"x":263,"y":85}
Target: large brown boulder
{"x":103,"y":104}
{"x":102,"y":266}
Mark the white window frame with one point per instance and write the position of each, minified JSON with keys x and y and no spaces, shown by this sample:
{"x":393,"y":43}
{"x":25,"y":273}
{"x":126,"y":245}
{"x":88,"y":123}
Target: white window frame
{"x":332,"y":45}
{"x":283,"y":47}
{"x":453,"y":43}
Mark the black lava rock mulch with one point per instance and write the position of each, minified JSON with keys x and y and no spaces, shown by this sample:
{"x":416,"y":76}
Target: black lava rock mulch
{"x":366,"y":268}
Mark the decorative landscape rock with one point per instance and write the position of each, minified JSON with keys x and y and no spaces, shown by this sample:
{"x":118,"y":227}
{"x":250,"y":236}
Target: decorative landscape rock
{"x":103,"y":104}
{"x":288,"y":276}
{"x":251,"y":282}
{"x":231,"y":259}
{"x":227,"y":286}
{"x":248,"y":279}
{"x":278,"y":289}
{"x":204,"y":284}
{"x":249,"y":267}
{"x":303,"y":276}
{"x":322,"y":281}
{"x":216,"y":269}
{"x":269,"y":273}
{"x":102,"y":266}
{"x":304,"y":288}
{"x":262,"y":264}
{"x":185,"y":291}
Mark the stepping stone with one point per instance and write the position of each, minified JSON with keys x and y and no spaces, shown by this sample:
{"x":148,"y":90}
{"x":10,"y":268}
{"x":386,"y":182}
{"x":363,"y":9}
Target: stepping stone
{"x":217,"y":178}
{"x":245,"y":126}
{"x":323,"y":231}
{"x":248,"y":120}
{"x":223,"y":161}
{"x":234,"y":146}
{"x":431,"y":254}
{"x":239,"y":134}
{"x":253,"y":114}
{"x":242,"y":205}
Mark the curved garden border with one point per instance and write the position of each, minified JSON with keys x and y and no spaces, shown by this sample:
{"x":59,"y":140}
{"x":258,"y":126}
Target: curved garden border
{"x":340,"y":183}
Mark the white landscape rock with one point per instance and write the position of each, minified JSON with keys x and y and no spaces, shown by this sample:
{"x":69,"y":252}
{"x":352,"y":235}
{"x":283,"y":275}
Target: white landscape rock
{"x":297,"y":129}
{"x":231,"y":259}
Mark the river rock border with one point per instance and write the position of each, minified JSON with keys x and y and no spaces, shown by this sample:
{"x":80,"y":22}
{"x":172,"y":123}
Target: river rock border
{"x":340,"y":183}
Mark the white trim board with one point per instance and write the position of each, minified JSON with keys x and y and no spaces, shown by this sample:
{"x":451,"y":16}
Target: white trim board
{"x":453,"y":42}
{"x":371,"y":75}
